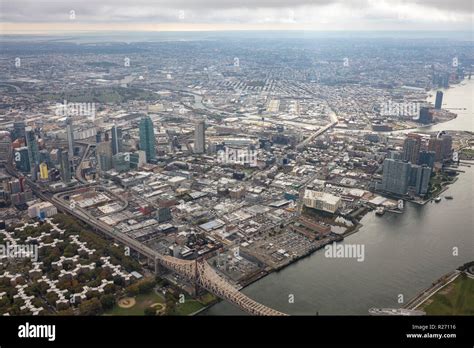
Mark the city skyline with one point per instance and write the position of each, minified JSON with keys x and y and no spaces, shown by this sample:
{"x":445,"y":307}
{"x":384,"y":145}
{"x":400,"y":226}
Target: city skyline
{"x":312,"y":159}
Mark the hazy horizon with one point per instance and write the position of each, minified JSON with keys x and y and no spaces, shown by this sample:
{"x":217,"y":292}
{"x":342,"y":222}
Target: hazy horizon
{"x":40,"y":16}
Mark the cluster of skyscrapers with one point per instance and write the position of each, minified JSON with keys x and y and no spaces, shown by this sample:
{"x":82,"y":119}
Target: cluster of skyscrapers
{"x":409,"y":171}
{"x":23,"y":145}
{"x":400,"y":176}
{"x":110,"y":149}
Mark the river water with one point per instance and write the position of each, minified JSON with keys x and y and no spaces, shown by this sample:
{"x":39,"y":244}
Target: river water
{"x":404,"y":253}
{"x":458,"y":99}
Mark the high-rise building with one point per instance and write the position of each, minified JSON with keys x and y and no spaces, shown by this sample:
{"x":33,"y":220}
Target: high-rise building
{"x":33,"y":153}
{"x":446,"y":146}
{"x":396,"y":176}
{"x":411,"y":148}
{"x":104,"y":155}
{"x":43,"y":167}
{"x":117,"y":140}
{"x":98,"y":136}
{"x":419,"y":179}
{"x":426,"y":115}
{"x":200,"y":137}
{"x":439,"y":100}
{"x":22,"y":159}
{"x":70,"y":137}
{"x":65,"y":167}
{"x":54,"y":157}
{"x":427,"y":158}
{"x":147,"y":138}
{"x":121,"y":162}
{"x":415,"y":178}
{"x":441,"y":79}
{"x":396,"y":155}
{"x":45,"y":156}
{"x":5,"y":146}
{"x":442,"y":146}
{"x":399,"y":177}
{"x":19,"y":130}
{"x":137,"y":159}
{"x":425,"y":181}
{"x":434,"y":145}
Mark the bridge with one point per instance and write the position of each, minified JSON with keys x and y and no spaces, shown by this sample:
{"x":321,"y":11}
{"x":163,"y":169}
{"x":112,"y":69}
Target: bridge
{"x":198,"y":272}
{"x":202,"y":274}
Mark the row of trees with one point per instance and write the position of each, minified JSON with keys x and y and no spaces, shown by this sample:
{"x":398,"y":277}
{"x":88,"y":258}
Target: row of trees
{"x":140,"y":287}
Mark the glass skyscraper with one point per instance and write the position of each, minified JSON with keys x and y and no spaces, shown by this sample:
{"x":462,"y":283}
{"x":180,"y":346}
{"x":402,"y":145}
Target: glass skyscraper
{"x":439,"y":100}
{"x":33,"y":152}
{"x":147,"y":138}
{"x":65,"y":167}
{"x":70,"y":137}
{"x":116,"y":140}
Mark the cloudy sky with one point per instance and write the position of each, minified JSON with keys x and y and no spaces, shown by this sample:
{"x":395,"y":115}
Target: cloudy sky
{"x":17,"y":16}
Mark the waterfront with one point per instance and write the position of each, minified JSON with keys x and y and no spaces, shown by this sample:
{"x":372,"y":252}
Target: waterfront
{"x":405,"y":253}
{"x":458,"y":99}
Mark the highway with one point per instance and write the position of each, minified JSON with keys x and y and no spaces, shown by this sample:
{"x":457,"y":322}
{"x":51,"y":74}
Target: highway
{"x":96,"y":224}
{"x":197,"y":271}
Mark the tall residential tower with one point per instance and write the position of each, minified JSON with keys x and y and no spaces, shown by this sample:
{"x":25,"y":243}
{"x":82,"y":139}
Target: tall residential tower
{"x":147,"y":138}
{"x":70,"y":137}
{"x":200,"y":137}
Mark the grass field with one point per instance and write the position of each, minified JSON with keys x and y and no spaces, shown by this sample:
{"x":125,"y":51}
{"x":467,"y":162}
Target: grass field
{"x":142,"y":302}
{"x":456,"y":298}
{"x":207,"y":298}
{"x":188,"y":307}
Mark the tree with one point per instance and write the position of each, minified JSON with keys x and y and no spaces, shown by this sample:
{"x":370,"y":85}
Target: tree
{"x":145,"y":285}
{"x":52,"y":298}
{"x":170,"y":307}
{"x":132,"y":290}
{"x":107,"y":301}
{"x":68,"y":311}
{"x":69,"y":251}
{"x":150,"y":311}
{"x":91,"y":307}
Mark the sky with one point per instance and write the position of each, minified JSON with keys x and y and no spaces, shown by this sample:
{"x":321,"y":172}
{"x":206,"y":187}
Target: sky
{"x":44,"y":16}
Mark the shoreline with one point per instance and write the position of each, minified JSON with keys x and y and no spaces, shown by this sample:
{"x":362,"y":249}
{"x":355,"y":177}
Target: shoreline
{"x":359,"y":225}
{"x":435,"y":287}
{"x":432,"y":93}
{"x":446,"y":279}
{"x":342,"y":236}
{"x":265,"y":273}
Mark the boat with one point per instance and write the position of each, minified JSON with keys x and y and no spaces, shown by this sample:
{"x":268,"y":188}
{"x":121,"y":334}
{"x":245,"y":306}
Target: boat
{"x":437,"y":199}
{"x":448,"y":197}
{"x":380,"y":211}
{"x":395,"y":311}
